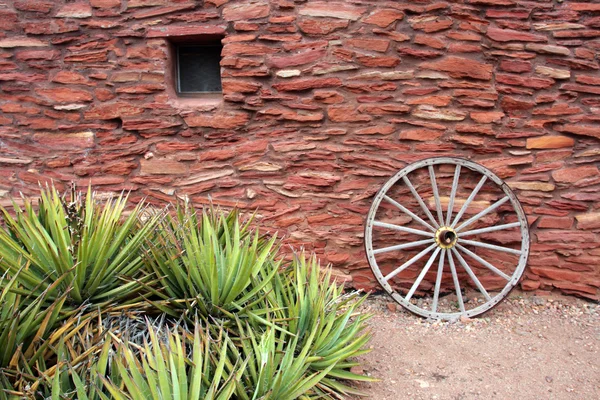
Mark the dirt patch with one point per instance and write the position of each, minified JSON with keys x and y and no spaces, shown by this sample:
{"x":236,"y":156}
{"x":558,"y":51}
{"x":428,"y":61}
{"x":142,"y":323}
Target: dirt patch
{"x":526,"y":348}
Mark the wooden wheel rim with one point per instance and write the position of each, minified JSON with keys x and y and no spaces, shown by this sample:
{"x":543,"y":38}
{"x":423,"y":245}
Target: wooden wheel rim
{"x":449,"y":254}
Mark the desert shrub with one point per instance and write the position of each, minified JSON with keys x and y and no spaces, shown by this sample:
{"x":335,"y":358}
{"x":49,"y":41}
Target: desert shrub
{"x":100,"y":303}
{"x":81,"y":247}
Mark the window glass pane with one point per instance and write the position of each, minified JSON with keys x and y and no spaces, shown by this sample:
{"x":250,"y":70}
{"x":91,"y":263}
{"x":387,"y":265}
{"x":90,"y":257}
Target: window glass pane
{"x":199,"y":69}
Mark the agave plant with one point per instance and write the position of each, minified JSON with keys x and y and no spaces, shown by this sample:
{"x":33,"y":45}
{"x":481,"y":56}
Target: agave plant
{"x":211,"y":264}
{"x":78,"y":247}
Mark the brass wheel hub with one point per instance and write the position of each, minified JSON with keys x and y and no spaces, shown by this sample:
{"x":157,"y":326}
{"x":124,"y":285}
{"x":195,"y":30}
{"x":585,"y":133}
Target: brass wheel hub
{"x":446,"y":237}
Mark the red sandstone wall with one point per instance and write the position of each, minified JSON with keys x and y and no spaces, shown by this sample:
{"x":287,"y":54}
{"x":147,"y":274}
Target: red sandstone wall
{"x":322,"y":102}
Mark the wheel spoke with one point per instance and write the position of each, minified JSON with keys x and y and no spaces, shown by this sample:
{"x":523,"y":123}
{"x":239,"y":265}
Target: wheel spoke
{"x":469,"y":200}
{"x":422,"y":274}
{"x":436,"y":196}
{"x":420,"y":200}
{"x":409,"y":213}
{"x":489,"y":229}
{"x":409,"y":263}
{"x":402,"y":229}
{"x":453,"y":194}
{"x":438,"y":281}
{"x":461,"y":304}
{"x":483,"y":262}
{"x":403,"y":246}
{"x":462,"y":261}
{"x":491,"y":246}
{"x":482,"y":213}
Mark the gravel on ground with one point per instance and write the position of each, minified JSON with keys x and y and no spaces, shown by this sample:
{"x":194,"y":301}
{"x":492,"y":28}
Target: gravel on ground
{"x":527,"y":347}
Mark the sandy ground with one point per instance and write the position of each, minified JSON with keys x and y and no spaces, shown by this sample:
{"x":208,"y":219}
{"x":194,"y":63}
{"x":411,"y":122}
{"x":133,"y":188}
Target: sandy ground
{"x":525,"y":348}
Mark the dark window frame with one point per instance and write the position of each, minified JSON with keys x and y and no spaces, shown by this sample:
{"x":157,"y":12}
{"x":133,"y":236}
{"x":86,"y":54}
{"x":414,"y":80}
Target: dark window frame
{"x":178,"y":69}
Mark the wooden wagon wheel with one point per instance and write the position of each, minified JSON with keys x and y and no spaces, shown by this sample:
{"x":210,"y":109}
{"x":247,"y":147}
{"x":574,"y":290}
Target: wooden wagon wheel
{"x":441,"y":226}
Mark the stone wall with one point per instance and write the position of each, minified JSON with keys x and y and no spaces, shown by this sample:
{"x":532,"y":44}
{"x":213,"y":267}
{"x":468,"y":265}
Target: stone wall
{"x":322,"y":102}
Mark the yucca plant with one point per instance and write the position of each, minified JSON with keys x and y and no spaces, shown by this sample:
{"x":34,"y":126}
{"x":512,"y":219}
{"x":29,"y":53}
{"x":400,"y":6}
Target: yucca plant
{"x":99,"y":304}
{"x":6,"y":389}
{"x":317,"y":308}
{"x":277,"y":367}
{"x":24,"y":322}
{"x":211,"y":264}
{"x":81,"y":380}
{"x":80,"y":247}
{"x":178,"y":366}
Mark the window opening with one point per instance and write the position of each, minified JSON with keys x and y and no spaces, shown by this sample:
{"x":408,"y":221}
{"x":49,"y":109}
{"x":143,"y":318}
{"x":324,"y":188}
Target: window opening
{"x":199,"y":69}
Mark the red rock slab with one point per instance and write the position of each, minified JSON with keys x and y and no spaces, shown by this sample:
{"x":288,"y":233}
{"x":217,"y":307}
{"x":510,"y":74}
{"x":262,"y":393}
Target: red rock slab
{"x":557,"y":109}
{"x":580,"y":88}
{"x":240,"y":86}
{"x":33,"y":6}
{"x":383,"y":109}
{"x":384,"y":17}
{"x":65,"y":95}
{"x":112,"y":111}
{"x":458,"y":67}
{"x":378,"y":61}
{"x":567,"y":236}
{"x":300,"y":58}
{"x":20,"y":77}
{"x":105,"y":3}
{"x":550,"y":142}
{"x":377,"y":130}
{"x":430,"y":24}
{"x":241,"y":49}
{"x":162,"y":166}
{"x":380,"y":45}
{"x":346,"y":114}
{"x":230,"y":120}
{"x":306,"y":84}
{"x":525,"y":81}
{"x":588,"y":33}
{"x":436,"y":100}
{"x":575,"y":174}
{"x":587,"y":79}
{"x":515,"y":66}
{"x":321,"y":26}
{"x":493,"y":2}
{"x":430,"y":41}
{"x":418,"y":53}
{"x":486,"y":117}
{"x":422,"y":135}
{"x":510,"y":35}
{"x":75,"y":10}
{"x":246,"y":11}
{"x":556,"y":273}
{"x":583,"y":6}
{"x":155,"y":12}
{"x":588,"y":221}
{"x":11,"y":42}
{"x":70,"y":77}
{"x":341,"y":10}
{"x":64,"y":141}
{"x":174,"y":31}
{"x":548,"y":222}
{"x":514,"y":104}
{"x":579,"y":129}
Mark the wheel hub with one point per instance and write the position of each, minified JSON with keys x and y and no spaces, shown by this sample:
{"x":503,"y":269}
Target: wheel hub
{"x":446,"y":237}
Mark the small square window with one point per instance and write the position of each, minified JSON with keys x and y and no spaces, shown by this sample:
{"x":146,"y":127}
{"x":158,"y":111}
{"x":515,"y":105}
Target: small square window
{"x":198,"y":69}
